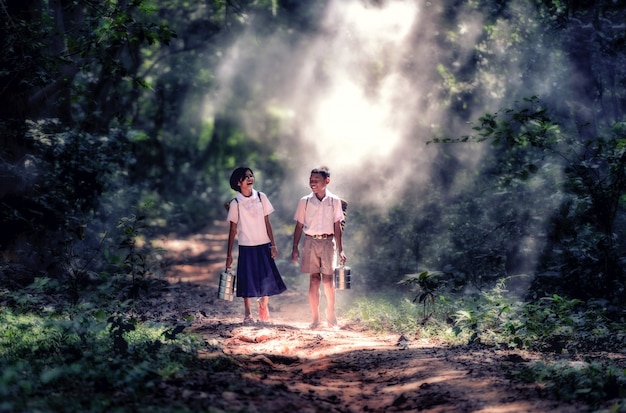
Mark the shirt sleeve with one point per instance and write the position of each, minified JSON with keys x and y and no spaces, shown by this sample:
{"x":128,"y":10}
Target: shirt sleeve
{"x":233,"y":212}
{"x":337,"y":210}
{"x":299,"y":215}
{"x":267,"y":205}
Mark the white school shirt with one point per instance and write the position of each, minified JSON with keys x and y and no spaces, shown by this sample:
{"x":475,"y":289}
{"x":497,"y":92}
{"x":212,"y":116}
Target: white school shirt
{"x":249,"y":215}
{"x":319,"y":217}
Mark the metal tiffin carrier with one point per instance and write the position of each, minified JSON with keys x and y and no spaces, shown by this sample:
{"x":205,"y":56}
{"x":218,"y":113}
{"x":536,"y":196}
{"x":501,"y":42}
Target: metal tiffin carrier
{"x":342,"y":277}
{"x":227,"y":289}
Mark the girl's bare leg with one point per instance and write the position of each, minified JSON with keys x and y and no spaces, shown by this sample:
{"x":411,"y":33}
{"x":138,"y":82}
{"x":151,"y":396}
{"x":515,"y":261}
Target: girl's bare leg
{"x":246,"y":307}
{"x":264,"y":309}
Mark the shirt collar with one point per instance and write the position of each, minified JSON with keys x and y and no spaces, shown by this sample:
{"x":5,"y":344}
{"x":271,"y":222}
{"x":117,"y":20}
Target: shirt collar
{"x":242,"y":197}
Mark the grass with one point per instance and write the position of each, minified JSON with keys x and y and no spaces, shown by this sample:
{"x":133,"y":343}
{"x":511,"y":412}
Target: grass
{"x":385,"y":313}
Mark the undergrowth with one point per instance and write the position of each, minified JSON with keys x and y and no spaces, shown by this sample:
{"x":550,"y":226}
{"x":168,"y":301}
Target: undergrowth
{"x":592,"y":382}
{"x":564,"y":330}
{"x":90,"y":363}
{"x":79,"y":342}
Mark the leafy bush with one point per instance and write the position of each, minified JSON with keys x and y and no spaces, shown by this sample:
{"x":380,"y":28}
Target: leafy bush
{"x":590,"y":382}
{"x":116,"y":360}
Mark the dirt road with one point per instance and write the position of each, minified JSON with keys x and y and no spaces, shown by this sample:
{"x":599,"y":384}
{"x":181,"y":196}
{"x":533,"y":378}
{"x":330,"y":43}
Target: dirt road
{"x":286,"y":367}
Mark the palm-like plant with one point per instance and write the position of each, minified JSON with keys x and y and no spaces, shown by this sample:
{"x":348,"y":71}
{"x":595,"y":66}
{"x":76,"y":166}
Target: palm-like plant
{"x":427,"y":284}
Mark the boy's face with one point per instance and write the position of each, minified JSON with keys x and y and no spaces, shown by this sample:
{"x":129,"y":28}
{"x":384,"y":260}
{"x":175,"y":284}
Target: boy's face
{"x":318,"y":183}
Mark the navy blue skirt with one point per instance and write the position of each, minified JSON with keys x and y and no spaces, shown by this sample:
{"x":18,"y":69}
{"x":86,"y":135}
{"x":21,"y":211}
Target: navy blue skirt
{"x":257,"y":274}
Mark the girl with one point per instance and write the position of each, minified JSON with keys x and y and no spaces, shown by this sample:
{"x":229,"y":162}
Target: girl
{"x":257,"y":274}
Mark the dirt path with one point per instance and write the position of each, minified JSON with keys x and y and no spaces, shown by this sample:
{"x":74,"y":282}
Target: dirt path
{"x":290,"y":368}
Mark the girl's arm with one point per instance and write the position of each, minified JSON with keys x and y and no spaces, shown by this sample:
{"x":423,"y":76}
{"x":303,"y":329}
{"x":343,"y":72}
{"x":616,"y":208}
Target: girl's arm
{"x":231,"y":240}
{"x":270,"y":233}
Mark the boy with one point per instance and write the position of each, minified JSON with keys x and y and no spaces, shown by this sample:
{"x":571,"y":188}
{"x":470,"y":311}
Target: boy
{"x":319,"y":216}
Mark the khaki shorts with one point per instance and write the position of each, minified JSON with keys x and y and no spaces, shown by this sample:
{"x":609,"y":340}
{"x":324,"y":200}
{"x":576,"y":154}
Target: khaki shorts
{"x":318,"y":256}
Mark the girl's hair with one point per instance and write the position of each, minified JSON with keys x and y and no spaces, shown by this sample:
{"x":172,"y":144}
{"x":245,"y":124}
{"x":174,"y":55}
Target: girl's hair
{"x":322,"y":170}
{"x":237,"y":176}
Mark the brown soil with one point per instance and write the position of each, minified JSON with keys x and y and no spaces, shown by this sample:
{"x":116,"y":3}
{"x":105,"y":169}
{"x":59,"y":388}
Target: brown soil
{"x":286,"y":367}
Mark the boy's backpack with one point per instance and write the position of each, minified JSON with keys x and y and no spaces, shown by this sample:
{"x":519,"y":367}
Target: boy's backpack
{"x":344,"y":207}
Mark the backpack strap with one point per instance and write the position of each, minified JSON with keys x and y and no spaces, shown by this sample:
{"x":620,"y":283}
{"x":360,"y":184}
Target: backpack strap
{"x":227,"y":203}
{"x":344,"y":207}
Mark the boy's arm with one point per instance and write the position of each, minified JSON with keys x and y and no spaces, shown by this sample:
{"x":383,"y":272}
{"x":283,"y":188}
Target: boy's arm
{"x":339,"y":242}
{"x":297,"y":234}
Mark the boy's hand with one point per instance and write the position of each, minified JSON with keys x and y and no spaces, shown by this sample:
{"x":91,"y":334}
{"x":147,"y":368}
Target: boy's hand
{"x":342,"y":258}
{"x":295,"y":255}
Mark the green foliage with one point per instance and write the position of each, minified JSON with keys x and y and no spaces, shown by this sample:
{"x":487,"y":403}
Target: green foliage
{"x":553,"y":324}
{"x":529,"y":150}
{"x":57,"y":191}
{"x":495,"y":316}
{"x":45,"y":357}
{"x":134,"y":262}
{"x":487,"y":316}
{"x":118,"y":361}
{"x":591,"y":382}
{"x":428,"y":285}
{"x":550,"y":324}
{"x":125,"y":88}
{"x":382,"y":315}
{"x":88,"y":70}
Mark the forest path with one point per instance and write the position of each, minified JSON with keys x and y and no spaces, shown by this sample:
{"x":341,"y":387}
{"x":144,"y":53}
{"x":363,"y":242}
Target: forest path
{"x":286,"y":367}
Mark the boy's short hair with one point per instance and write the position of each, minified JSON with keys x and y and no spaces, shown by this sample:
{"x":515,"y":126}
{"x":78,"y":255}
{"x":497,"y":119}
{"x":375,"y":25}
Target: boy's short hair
{"x":322,"y":170}
{"x":237,"y":176}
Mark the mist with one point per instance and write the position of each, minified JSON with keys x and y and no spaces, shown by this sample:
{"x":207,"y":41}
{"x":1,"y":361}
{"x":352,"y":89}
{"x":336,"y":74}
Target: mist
{"x":341,"y":95}
{"x":366,"y":91}
{"x":363,"y":93}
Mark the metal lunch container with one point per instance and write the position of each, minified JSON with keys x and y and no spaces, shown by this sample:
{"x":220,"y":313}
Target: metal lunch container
{"x":342,"y":278}
{"x":227,"y":289}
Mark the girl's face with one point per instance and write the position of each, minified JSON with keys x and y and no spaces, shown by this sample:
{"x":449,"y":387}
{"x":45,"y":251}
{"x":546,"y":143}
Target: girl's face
{"x":247,"y":182}
{"x":318,"y":183}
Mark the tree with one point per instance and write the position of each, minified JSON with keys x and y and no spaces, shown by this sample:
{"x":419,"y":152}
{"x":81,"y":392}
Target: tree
{"x":583,"y":249}
{"x":67,"y":78}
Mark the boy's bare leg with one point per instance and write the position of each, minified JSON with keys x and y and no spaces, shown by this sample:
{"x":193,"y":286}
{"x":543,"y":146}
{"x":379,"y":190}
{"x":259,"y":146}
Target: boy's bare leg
{"x":314,"y":298}
{"x":329,"y":291}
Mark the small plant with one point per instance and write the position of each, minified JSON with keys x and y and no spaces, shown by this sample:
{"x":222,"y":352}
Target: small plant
{"x":428,"y":283}
{"x":133,"y":265}
{"x":467,"y":320}
{"x":134,"y":262}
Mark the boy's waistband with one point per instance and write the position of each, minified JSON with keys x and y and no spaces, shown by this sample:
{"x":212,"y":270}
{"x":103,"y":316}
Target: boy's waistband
{"x":321,"y":236}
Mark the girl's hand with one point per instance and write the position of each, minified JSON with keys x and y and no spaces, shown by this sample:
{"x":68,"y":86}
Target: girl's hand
{"x":229,"y":262}
{"x":273,"y":252}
